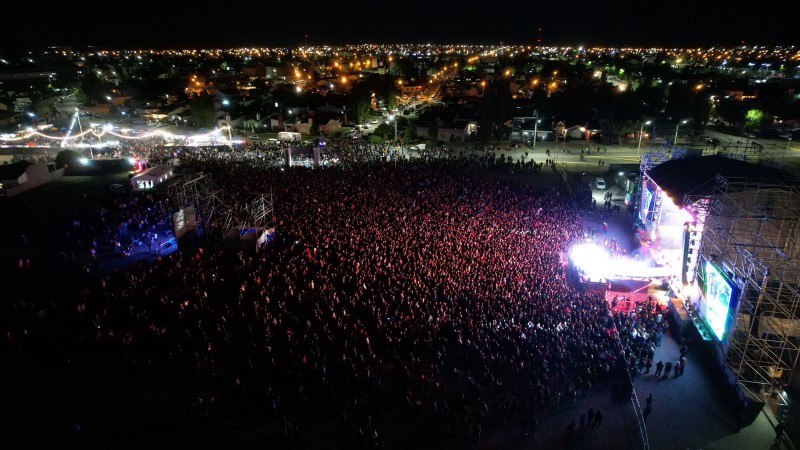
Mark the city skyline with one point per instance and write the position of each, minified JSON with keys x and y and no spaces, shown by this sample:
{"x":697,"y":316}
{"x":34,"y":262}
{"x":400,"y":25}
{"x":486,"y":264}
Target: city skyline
{"x":153,"y":25}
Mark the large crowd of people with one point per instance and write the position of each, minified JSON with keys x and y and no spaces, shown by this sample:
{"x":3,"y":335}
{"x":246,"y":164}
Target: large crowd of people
{"x":393,"y":295}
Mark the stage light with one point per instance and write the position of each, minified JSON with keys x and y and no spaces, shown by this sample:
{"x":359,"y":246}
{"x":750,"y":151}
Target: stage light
{"x":686,"y":215}
{"x":590,"y":259}
{"x":84,"y":161}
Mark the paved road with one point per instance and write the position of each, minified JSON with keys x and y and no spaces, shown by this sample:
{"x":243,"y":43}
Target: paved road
{"x":568,"y":154}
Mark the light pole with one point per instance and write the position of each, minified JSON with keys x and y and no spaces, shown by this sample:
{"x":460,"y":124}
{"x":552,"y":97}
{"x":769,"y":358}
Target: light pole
{"x":675,"y":142}
{"x":483,"y":87}
{"x":641,"y":130}
{"x":38,"y":93}
{"x":393,"y":118}
{"x":535,"y":131}
{"x":78,"y":115}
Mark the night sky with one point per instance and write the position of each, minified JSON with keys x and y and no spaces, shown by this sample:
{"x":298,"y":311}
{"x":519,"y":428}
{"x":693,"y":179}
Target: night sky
{"x":193,"y":24}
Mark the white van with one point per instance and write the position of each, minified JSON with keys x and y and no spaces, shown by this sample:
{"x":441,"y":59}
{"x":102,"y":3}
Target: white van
{"x":600,"y":183}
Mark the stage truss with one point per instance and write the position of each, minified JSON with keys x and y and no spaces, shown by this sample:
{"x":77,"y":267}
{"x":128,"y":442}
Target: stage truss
{"x":199,"y":193}
{"x":257,"y":213}
{"x":648,"y":160}
{"x":752,"y":152}
{"x":218,"y":213}
{"x":751,"y":229}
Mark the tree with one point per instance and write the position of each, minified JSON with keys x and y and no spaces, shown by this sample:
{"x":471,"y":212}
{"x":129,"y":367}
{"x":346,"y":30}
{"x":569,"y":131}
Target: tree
{"x":406,"y":135}
{"x":358,"y":109}
{"x":619,"y":129}
{"x":384,"y":130}
{"x":679,"y":102}
{"x":701,"y":109}
{"x":202,"y":108}
{"x":66,"y":158}
{"x":80,"y":95}
{"x":754,"y":120}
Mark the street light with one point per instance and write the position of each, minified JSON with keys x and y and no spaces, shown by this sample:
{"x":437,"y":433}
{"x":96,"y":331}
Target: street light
{"x":78,"y":116}
{"x":483,"y":86}
{"x":683,"y":122}
{"x":394,"y":119}
{"x":535,"y":131}
{"x":32,"y":116}
{"x":641,"y":130}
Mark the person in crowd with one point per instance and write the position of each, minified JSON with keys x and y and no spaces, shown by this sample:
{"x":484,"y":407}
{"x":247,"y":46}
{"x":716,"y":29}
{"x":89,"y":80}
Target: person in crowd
{"x":421,"y":282}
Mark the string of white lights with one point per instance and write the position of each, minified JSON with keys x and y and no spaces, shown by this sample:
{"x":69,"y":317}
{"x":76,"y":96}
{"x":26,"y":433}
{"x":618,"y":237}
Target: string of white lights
{"x":164,"y":134}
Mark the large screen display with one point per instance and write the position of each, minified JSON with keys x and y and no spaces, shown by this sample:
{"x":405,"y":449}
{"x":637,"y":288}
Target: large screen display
{"x":647,"y":199}
{"x":719,"y":295}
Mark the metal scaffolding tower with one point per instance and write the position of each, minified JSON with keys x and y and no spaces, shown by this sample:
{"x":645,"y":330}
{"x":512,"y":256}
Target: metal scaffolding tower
{"x":257,"y":213}
{"x":200,"y":199}
{"x":649,"y":160}
{"x":655,"y":157}
{"x":753,"y":152}
{"x":751,"y":231}
{"x":200,"y":202}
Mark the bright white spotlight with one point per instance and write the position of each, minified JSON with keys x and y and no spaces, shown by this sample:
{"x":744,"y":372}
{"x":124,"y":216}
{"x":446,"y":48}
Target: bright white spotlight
{"x":84,"y":161}
{"x":590,"y":259}
{"x":132,"y":161}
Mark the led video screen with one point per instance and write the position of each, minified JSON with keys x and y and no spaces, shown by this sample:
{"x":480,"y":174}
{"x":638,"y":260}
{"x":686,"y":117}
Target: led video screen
{"x":719,"y":295}
{"x":647,"y":200}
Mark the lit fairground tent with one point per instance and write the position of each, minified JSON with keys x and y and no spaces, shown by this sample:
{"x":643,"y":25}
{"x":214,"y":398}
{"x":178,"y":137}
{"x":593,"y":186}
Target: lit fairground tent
{"x":95,"y":133}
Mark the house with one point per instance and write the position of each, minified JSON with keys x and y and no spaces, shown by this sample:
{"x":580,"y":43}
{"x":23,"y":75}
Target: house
{"x":411,"y":89}
{"x":14,"y":174}
{"x":22,"y":104}
{"x":24,"y":175}
{"x":577,"y":132}
{"x":276,"y":123}
{"x":9,"y":117}
{"x":251,"y":123}
{"x":304,"y":127}
{"x":272,"y":72}
{"x":559,"y":129}
{"x":457,"y":131}
{"x":255,"y":72}
{"x":523,"y":129}
{"x":332,"y":126}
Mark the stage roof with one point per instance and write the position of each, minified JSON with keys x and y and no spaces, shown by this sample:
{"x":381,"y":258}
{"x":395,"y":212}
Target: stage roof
{"x":679,"y":177}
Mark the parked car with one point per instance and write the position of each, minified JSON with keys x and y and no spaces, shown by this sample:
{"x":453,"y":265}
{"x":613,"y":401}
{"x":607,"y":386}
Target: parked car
{"x":600,"y":183}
